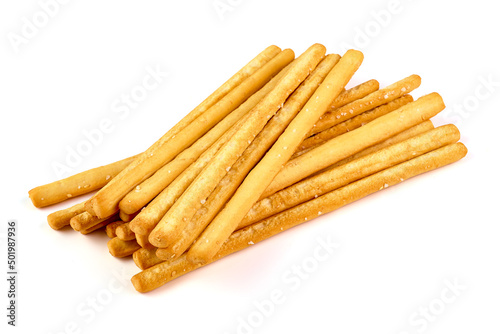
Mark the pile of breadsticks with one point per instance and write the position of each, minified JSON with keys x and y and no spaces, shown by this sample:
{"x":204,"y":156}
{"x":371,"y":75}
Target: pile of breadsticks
{"x":280,"y":143}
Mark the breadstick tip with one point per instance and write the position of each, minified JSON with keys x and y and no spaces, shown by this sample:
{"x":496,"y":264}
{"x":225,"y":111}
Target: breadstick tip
{"x":462,"y":149}
{"x":355,"y":54}
{"x":290,"y":51}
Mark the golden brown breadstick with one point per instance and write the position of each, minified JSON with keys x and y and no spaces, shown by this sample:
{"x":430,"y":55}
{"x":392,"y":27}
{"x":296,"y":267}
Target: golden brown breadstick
{"x":164,"y":272}
{"x":147,"y":219}
{"x":148,"y":189}
{"x":111,"y":228}
{"x":411,"y":132}
{"x":263,"y":173}
{"x":61,"y":218}
{"x":121,"y":248}
{"x":124,"y":232}
{"x":127,"y":217}
{"x":354,"y":141}
{"x":98,"y":226}
{"x":370,"y":101}
{"x":76,"y":185}
{"x":85,"y":220}
{"x":145,"y":258}
{"x":353,"y":94}
{"x":254,"y":152}
{"x":105,"y":201}
{"x":350,"y":124}
{"x":174,"y":221}
{"x":143,"y":241}
{"x":334,"y":178}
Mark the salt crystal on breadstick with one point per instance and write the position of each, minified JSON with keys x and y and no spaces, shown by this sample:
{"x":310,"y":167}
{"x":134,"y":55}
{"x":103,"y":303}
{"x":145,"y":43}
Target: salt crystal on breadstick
{"x":350,"y":124}
{"x":254,"y":152}
{"x":148,"y":189}
{"x":76,"y":185}
{"x":61,"y":218}
{"x":354,"y":170}
{"x":121,"y":248}
{"x":263,"y":173}
{"x":105,"y":201}
{"x":164,"y":272}
{"x":176,"y":219}
{"x":375,"y":99}
{"x":354,"y":141}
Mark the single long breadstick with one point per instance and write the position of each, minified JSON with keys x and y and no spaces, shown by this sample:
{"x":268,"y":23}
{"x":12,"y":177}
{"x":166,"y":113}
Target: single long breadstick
{"x":121,"y":248}
{"x":105,"y":201}
{"x":409,"y":133}
{"x":148,"y":189}
{"x":350,"y":124}
{"x":61,"y":218}
{"x":354,"y":141}
{"x":354,"y":170}
{"x":76,"y":185}
{"x":124,"y":232}
{"x":164,"y":272}
{"x":111,"y":228}
{"x":176,"y":219}
{"x":85,"y":220}
{"x":254,"y":152}
{"x":145,"y":258}
{"x":263,"y":173}
{"x":149,"y":217}
{"x":375,"y":99}
{"x":353,"y":94}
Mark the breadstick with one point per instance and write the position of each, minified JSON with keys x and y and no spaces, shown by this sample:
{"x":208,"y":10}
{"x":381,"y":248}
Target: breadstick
{"x":143,"y":241}
{"x":353,"y":94}
{"x":121,"y":248}
{"x":263,"y":173}
{"x":350,"y":124}
{"x":98,"y":226}
{"x":76,"y":185}
{"x":411,"y":132}
{"x":127,"y":217}
{"x":148,"y":189}
{"x":147,"y":219}
{"x":352,"y":171}
{"x":124,"y":232}
{"x":61,"y":218}
{"x":175,"y":220}
{"x":111,"y":228}
{"x":145,"y":258}
{"x":254,"y":152}
{"x":105,"y":201}
{"x":85,"y":220}
{"x":354,"y":141}
{"x":370,"y":101}
{"x":164,"y":272}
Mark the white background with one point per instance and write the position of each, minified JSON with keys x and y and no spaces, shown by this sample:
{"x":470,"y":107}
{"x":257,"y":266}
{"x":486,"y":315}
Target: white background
{"x":397,"y":248}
